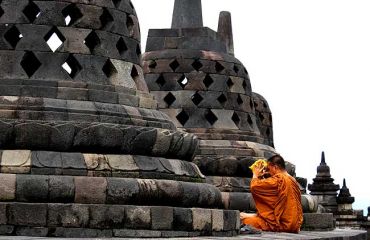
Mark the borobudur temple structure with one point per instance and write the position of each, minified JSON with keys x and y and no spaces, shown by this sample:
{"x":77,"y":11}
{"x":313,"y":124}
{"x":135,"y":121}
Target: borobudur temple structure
{"x":84,"y":150}
{"x":192,"y":72}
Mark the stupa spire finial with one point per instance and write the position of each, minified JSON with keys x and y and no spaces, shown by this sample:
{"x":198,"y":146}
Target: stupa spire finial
{"x":225,"y":31}
{"x":187,"y":14}
{"x":323,"y":158}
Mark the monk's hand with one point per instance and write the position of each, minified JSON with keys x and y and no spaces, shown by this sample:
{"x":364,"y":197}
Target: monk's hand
{"x":243,"y":215}
{"x":258,"y":171}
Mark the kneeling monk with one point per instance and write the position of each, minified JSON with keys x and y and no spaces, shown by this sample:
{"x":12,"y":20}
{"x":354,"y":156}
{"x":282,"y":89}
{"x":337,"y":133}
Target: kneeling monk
{"x":277,"y":198}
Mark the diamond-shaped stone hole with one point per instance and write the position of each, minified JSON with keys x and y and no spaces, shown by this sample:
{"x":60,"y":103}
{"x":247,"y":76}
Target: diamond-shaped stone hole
{"x":71,"y":14}
{"x":196,"y":98}
{"x":183,"y":81}
{"x":239,"y":100}
{"x":182,"y":117}
{"x":230,"y":83}
{"x":121,"y":46}
{"x":92,"y":41}
{"x":13,"y":36}
{"x":236,"y":119}
{"x":265,"y":105}
{"x":197,"y":65}
{"x":250,"y":122}
{"x":30,"y":63}
{"x":219,"y":67}
{"x":31,"y":11}
{"x":268,"y":132}
{"x":208,"y":81}
{"x":130,"y":25}
{"x":261,"y":117}
{"x":245,"y":71}
{"x":117,"y":3}
{"x":169,"y":99}
{"x":109,"y":69}
{"x":251,"y":104}
{"x":106,"y":19}
{"x":138,"y":50}
{"x":236,"y":69}
{"x":174,"y":65}
{"x":211,"y":117}
{"x":131,"y":5}
{"x":161,"y":81}
{"x":222,"y":99}
{"x":1,"y":11}
{"x":245,"y":85}
{"x":54,"y":39}
{"x":134,"y":73}
{"x":152,"y":64}
{"x":72,"y":66}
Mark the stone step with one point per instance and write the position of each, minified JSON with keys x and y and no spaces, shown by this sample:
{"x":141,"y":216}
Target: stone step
{"x":94,"y":220}
{"x":107,"y":190}
{"x":337,"y":234}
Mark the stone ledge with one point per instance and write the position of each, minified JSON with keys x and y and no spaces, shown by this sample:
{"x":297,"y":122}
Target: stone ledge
{"x":88,"y":220}
{"x":92,"y":137}
{"x":97,"y":165}
{"x":333,"y":235}
{"x":102,"y":190}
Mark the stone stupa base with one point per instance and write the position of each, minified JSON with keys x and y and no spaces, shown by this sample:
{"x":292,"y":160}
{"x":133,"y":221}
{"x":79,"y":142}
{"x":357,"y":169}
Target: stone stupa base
{"x":97,"y":220}
{"x":72,"y":194}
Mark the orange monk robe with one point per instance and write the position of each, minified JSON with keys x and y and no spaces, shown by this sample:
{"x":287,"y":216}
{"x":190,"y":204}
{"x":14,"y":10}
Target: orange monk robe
{"x":278,"y":203}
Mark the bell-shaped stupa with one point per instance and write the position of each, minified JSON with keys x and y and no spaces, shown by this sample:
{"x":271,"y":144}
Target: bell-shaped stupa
{"x":84,"y":152}
{"x":192,"y":72}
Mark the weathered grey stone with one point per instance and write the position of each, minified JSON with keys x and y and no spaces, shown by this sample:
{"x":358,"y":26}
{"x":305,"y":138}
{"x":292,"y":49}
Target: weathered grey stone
{"x":3,"y":214}
{"x":317,"y":222}
{"x":137,"y":217}
{"x":187,"y":14}
{"x":23,"y":214}
{"x":121,"y":162}
{"x":202,"y":220}
{"x":6,"y":229}
{"x":99,"y":136}
{"x":225,"y":31}
{"x":73,"y":161}
{"x":68,"y":215}
{"x":82,"y":233}
{"x":32,"y":188}
{"x":129,"y":233}
{"x":16,"y":161}
{"x":61,"y":189}
{"x":217,"y":220}
{"x":107,"y":216}
{"x":122,"y":191}
{"x":6,"y":130}
{"x":230,"y":219}
{"x":7,"y":187}
{"x":32,"y":231}
{"x":42,"y":159}
{"x":162,"y":218}
{"x":90,"y":189}
{"x":183,"y":219}
{"x":174,"y":234}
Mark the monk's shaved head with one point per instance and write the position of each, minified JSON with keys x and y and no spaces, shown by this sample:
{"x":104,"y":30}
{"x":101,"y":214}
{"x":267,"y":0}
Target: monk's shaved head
{"x":277,"y":160}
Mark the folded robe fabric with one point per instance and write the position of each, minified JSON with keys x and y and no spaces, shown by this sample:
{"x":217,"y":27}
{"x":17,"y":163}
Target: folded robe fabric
{"x":278,"y":203}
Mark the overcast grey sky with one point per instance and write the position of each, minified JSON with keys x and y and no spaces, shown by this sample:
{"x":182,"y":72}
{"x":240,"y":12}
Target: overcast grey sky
{"x":311,"y":61}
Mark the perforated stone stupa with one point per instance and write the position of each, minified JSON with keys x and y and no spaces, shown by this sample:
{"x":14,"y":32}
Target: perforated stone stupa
{"x":192,"y":72}
{"x":84,"y":152}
